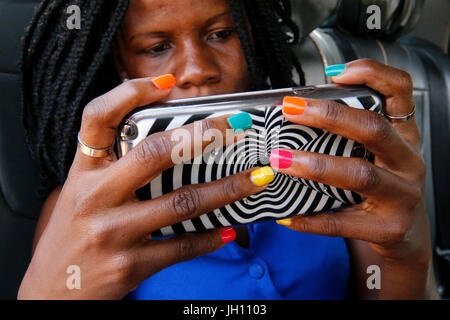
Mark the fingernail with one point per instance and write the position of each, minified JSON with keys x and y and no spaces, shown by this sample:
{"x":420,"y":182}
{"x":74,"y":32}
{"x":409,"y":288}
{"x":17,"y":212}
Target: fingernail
{"x":240,"y":122}
{"x":285,"y":222}
{"x":228,"y":234}
{"x":334,"y":70}
{"x":294,"y":105}
{"x":281,"y":159}
{"x":262,"y":176}
{"x":164,"y":82}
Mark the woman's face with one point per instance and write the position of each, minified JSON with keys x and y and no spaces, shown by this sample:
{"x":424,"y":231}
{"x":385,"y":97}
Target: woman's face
{"x":194,"y":40}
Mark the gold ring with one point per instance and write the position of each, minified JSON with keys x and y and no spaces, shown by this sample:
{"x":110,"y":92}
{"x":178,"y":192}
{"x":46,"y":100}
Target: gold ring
{"x":400,"y":118}
{"x":93,"y":152}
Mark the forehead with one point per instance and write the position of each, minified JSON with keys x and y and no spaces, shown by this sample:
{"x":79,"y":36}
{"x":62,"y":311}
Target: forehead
{"x":170,"y":12}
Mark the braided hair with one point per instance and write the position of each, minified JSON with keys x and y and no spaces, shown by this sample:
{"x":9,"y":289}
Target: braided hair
{"x":62,"y":69}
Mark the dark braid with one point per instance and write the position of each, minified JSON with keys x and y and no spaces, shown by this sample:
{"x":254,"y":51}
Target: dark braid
{"x":119,"y":11}
{"x":254,"y":62}
{"x":284,"y":10}
{"x":56,"y":57}
{"x":62,"y":70}
{"x":270,"y":42}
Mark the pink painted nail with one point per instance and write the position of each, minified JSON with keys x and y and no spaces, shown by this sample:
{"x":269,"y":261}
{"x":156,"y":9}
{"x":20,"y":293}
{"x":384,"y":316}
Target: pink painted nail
{"x":281,"y":159}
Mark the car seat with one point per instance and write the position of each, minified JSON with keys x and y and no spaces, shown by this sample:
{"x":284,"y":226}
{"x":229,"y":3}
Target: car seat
{"x":333,"y":43}
{"x":19,"y":205}
{"x":344,"y":37}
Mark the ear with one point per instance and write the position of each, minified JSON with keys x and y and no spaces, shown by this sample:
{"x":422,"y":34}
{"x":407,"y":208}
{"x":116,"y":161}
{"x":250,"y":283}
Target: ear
{"x":118,"y":62}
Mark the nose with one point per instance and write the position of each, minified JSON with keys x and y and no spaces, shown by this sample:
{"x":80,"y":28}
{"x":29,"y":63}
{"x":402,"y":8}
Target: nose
{"x":196,"y":66}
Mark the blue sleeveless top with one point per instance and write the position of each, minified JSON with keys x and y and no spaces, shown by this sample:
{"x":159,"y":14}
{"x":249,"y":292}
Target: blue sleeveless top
{"x":280,"y":264}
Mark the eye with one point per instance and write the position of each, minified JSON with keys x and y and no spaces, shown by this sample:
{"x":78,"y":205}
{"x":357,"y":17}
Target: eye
{"x":221,"y":34}
{"x":158,"y":49}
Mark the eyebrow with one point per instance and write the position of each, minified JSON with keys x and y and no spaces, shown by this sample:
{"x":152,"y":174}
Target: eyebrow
{"x":211,"y":20}
{"x":161,"y":33}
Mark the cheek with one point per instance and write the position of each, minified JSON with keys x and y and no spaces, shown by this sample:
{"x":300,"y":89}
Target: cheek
{"x":234,"y":68}
{"x":139,"y":66}
{"x":229,"y":59}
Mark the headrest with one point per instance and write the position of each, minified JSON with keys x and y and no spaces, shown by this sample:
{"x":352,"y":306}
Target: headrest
{"x":310,"y":14}
{"x":395,"y":17}
{"x":14,"y":17}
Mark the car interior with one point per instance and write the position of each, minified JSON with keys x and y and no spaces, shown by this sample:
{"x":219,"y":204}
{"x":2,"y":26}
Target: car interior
{"x":414,"y":36}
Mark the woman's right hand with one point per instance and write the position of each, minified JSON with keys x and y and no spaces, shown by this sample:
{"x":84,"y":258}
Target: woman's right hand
{"x":99,"y":225}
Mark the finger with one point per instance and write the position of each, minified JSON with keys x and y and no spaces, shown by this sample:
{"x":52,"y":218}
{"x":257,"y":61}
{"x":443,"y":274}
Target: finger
{"x":165,"y":149}
{"x":366,"y":127}
{"x":352,"y":174}
{"x":348,"y":224}
{"x":160,"y":254}
{"x":389,"y":81}
{"x":191,"y":201}
{"x":395,"y":84}
{"x":102,"y":116}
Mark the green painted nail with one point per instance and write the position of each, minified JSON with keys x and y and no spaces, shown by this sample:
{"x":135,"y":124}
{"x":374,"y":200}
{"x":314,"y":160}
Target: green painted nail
{"x":334,"y":70}
{"x":240,"y":122}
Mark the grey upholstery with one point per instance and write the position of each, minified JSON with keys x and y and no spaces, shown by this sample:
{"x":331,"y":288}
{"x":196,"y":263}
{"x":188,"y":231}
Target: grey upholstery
{"x":19,"y":206}
{"x":321,"y":49}
{"x":325,"y":46}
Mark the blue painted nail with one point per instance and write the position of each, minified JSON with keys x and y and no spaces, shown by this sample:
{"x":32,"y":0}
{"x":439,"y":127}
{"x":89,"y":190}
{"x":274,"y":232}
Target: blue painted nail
{"x":240,"y":122}
{"x":334,"y":70}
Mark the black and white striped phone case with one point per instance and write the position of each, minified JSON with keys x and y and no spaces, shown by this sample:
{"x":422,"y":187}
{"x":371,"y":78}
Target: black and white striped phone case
{"x":286,"y":196}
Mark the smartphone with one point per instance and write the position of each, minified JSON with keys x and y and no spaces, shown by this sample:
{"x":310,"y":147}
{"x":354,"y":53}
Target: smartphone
{"x":286,"y":196}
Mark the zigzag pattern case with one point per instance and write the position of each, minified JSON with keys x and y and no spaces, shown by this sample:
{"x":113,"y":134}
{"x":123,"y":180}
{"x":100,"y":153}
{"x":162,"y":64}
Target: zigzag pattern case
{"x":286,"y":196}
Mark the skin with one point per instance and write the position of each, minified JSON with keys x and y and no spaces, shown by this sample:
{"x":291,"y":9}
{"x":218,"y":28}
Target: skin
{"x":112,"y":245}
{"x":391,"y":227}
{"x":186,"y":43}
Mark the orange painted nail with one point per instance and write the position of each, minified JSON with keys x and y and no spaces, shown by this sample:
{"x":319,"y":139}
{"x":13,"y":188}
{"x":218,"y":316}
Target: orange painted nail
{"x":294,"y":105}
{"x":164,"y":82}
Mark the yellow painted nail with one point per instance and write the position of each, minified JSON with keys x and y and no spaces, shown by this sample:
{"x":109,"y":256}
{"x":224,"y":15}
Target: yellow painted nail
{"x":285,"y":222}
{"x":263,"y":176}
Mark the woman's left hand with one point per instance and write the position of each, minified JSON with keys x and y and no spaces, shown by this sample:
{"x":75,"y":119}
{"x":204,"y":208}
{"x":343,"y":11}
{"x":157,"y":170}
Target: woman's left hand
{"x":392,"y":218}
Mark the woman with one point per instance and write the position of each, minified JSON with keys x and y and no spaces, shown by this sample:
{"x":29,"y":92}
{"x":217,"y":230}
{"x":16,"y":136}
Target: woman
{"x":184,"y":48}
